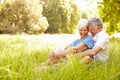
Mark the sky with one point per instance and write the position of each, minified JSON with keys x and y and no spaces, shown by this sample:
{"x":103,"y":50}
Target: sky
{"x":85,"y":5}
{"x":89,"y":7}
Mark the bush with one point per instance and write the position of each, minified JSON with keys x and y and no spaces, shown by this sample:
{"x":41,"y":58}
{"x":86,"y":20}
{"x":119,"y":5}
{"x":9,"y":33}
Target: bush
{"x":19,"y":16}
{"x":62,"y":15}
{"x":110,"y":12}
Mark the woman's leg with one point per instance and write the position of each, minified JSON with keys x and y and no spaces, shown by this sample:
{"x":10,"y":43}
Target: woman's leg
{"x":52,"y":59}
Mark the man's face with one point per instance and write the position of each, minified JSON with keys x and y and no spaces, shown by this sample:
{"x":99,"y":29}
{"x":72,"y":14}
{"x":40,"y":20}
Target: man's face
{"x":83,"y":32}
{"x":93,"y":30}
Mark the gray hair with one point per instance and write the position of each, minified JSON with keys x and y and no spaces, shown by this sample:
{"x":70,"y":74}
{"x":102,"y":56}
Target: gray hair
{"x":95,"y":22}
{"x":82,"y":23}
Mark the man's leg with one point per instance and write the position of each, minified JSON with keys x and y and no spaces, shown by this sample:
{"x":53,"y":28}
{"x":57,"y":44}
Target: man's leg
{"x":86,"y":59}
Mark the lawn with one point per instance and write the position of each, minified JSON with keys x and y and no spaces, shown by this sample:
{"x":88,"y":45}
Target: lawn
{"x":21,"y":55}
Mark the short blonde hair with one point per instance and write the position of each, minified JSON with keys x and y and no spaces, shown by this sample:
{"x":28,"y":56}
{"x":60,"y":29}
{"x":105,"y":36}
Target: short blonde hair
{"x":82,"y":23}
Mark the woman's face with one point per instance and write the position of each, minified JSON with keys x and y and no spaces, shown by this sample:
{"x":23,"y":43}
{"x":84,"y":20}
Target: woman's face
{"x":83,"y":32}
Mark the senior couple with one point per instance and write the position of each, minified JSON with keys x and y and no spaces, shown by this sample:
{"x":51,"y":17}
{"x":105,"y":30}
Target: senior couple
{"x":92,"y":44}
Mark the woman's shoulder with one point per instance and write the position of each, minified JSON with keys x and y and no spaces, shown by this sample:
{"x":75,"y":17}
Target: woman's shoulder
{"x":88,"y":38}
{"x":76,"y":40}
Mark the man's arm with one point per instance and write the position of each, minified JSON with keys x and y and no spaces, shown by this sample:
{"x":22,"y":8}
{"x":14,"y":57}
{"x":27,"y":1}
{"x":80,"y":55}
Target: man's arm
{"x":92,"y":51}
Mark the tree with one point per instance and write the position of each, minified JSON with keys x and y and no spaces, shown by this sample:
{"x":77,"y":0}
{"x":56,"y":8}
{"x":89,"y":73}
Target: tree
{"x":62,"y":15}
{"x":110,"y":12}
{"x":18,"y":16}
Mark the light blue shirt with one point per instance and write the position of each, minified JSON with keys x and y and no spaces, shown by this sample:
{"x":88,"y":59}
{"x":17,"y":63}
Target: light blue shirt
{"x":88,"y":41}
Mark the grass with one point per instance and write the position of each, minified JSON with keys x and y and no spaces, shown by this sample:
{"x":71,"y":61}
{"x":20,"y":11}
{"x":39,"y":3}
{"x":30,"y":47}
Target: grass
{"x":20,"y":58}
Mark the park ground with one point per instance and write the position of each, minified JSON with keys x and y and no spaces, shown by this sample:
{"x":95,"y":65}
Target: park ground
{"x":21,"y":55}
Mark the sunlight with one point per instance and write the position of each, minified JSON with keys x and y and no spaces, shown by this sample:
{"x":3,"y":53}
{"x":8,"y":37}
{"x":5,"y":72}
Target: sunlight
{"x":85,"y":5}
{"x":89,"y":7}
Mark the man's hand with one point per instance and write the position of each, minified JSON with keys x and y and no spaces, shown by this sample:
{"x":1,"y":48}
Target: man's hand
{"x":88,"y":53}
{"x":92,"y":52}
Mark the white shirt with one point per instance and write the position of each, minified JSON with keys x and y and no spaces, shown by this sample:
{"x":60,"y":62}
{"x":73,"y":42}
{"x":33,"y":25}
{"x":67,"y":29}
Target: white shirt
{"x":102,"y":40}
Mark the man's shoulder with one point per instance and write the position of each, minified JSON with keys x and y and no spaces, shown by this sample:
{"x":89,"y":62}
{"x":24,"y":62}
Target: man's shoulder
{"x":103,"y":34}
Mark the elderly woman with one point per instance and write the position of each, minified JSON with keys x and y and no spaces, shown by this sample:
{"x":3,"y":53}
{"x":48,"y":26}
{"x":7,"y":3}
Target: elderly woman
{"x":83,"y":43}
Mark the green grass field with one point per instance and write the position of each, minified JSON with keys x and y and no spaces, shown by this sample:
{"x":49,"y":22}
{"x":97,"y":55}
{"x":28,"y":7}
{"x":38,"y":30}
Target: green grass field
{"x":20,"y":57}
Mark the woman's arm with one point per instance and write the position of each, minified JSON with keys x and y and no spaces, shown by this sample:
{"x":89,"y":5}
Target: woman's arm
{"x":81,"y":47}
{"x":68,"y":47}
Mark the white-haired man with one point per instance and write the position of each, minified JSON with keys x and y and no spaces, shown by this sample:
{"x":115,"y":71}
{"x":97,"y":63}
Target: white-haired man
{"x":100,"y":49}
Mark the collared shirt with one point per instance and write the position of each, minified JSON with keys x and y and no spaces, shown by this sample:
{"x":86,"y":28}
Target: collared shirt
{"x":102,"y":40}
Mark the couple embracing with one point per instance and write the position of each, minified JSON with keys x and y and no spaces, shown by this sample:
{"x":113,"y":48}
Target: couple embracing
{"x":93,"y":43}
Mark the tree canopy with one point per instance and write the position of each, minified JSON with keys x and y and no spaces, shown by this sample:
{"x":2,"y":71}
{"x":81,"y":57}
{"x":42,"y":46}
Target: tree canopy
{"x":17,"y":16}
{"x":62,"y":15}
{"x":110,"y":12}
{"x":34,"y":16}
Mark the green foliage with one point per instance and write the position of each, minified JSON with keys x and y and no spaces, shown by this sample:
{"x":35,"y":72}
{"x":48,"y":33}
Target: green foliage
{"x":20,"y":57}
{"x":84,"y":15}
{"x":110,"y":12}
{"x":62,"y":15}
{"x":17,"y":16}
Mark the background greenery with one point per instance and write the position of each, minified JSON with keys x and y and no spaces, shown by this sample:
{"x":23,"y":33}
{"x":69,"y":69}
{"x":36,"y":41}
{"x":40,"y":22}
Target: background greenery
{"x":110,"y":12}
{"x":24,"y":16}
{"x":17,"y":16}
{"x":53,"y":16}
{"x":62,"y":15}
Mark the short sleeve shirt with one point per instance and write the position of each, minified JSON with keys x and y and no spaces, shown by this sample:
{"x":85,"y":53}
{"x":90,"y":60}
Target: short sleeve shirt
{"x":102,"y":40}
{"x":88,"y":41}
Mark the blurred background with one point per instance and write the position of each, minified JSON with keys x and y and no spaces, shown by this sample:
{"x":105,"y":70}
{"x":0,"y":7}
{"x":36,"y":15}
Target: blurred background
{"x":56,"y":16}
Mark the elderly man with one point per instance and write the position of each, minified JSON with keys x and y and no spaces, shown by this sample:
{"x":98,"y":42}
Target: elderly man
{"x":100,"y":49}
